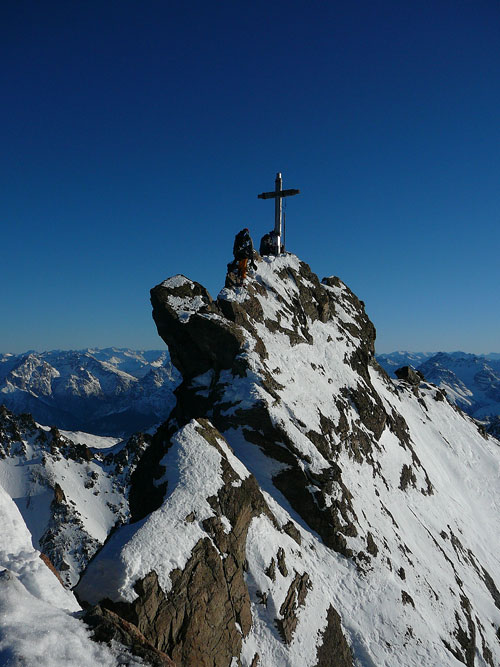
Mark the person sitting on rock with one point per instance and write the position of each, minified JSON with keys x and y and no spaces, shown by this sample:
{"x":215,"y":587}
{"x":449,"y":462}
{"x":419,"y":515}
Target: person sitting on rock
{"x":243,"y":251}
{"x":269,"y":244}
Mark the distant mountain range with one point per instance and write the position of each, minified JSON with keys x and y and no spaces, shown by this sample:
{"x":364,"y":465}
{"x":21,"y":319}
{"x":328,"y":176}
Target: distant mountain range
{"x":471,"y":381}
{"x":107,"y":392}
{"x":117,"y":392}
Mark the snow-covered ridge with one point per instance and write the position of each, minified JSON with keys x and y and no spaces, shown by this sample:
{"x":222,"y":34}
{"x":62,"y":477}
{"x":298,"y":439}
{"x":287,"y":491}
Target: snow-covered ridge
{"x":59,"y":499}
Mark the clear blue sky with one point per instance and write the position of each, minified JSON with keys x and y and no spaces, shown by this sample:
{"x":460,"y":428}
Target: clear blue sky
{"x":135,"y":137}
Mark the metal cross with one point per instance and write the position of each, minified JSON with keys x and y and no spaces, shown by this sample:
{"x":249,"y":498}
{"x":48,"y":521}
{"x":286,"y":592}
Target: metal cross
{"x":278,"y":195}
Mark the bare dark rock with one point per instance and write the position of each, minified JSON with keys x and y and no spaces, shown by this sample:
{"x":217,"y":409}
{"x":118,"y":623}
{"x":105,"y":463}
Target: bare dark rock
{"x":295,"y":598}
{"x":370,"y":409}
{"x":107,"y":626}
{"x":59,"y":496}
{"x":407,"y":598}
{"x":51,"y":567}
{"x":262,"y":597}
{"x":271,"y":570}
{"x":145,"y":495}
{"x":410,"y":375}
{"x":197,"y":344}
{"x":371,"y":547}
{"x":282,"y":562}
{"x":407,"y":478}
{"x":290,"y":529}
{"x":332,"y":522}
{"x":196,"y":622}
{"x":239,"y":313}
{"x":334,"y":650}
{"x":491,"y":586}
{"x":466,"y":638}
{"x":399,"y":427}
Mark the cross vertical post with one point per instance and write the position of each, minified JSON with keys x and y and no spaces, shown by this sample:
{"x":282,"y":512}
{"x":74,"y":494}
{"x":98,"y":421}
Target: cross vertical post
{"x":278,"y":195}
{"x":277,"y":205}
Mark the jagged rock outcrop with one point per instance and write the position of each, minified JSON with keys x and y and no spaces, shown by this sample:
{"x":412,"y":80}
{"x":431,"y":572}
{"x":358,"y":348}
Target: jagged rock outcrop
{"x":207,"y":611}
{"x":202,"y":614}
{"x":334,"y":650}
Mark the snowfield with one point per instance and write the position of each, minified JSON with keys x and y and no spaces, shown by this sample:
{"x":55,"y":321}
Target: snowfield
{"x":37,"y":621}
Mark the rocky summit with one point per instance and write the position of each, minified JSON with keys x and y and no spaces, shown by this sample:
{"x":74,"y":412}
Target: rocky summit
{"x":299,"y":506}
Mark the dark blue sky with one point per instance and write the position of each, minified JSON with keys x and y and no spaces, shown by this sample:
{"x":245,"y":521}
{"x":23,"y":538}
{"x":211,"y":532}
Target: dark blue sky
{"x":137,"y":135}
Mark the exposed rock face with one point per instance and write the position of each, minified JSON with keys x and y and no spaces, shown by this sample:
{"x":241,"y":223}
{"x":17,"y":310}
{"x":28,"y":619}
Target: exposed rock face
{"x":202,"y":615}
{"x":300,"y":507}
{"x":196,"y":622}
{"x":295,"y":598}
{"x":108,"y":626}
{"x":334,"y":649}
{"x":48,"y":563}
{"x":209,"y":341}
{"x":207,"y":611}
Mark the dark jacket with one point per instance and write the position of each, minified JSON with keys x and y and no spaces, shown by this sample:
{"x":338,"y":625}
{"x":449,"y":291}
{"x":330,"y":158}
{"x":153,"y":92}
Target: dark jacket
{"x":243,"y":246}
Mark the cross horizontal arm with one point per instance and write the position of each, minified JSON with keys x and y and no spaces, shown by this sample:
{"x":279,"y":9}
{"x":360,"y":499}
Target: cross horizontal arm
{"x":281,"y":193}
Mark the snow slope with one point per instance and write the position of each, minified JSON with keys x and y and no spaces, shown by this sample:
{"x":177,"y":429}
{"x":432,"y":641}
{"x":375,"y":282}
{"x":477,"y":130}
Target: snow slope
{"x":37,"y":626}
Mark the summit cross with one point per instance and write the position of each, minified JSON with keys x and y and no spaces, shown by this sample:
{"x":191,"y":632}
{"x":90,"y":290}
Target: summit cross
{"x":278,"y":195}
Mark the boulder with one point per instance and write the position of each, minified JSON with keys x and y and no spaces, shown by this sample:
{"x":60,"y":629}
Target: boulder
{"x":410,"y":375}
